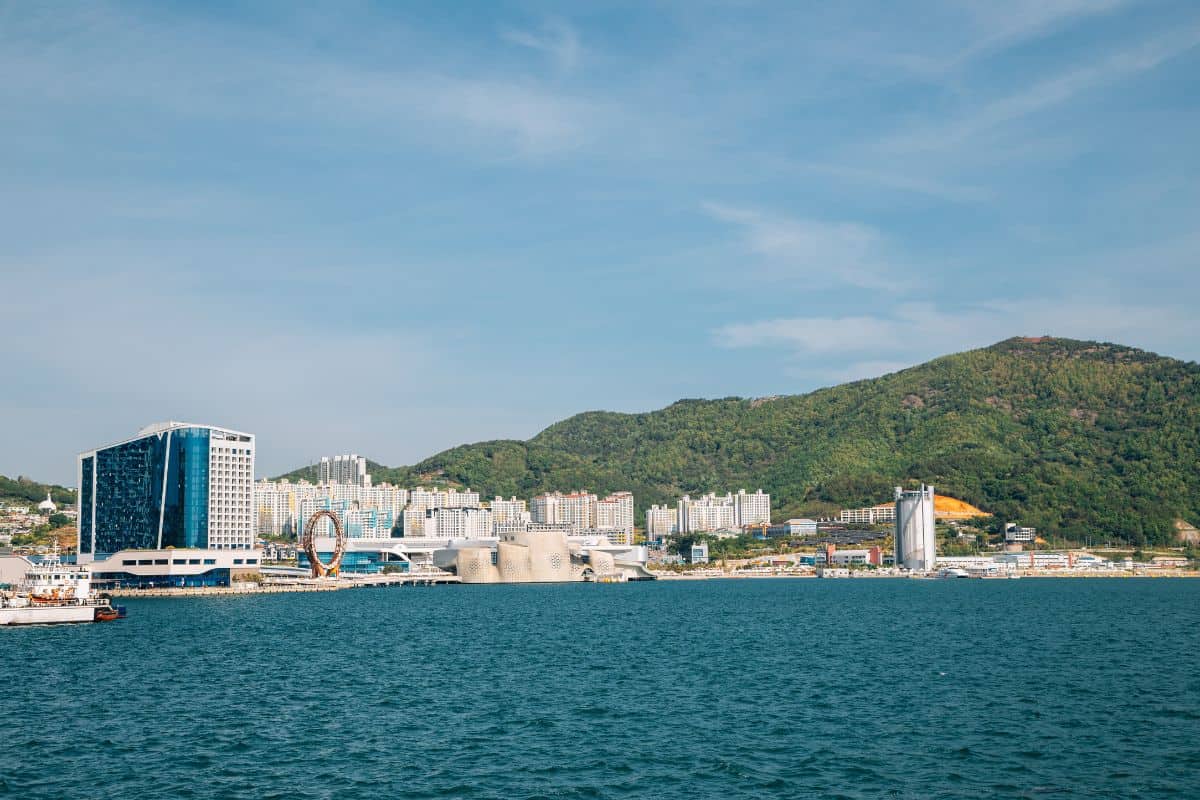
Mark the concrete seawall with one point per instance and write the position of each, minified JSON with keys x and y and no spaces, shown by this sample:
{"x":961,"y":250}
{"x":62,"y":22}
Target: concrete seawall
{"x":213,"y":591}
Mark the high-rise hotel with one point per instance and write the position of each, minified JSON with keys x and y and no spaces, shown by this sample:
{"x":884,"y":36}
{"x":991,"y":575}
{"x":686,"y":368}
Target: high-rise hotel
{"x":174,"y":504}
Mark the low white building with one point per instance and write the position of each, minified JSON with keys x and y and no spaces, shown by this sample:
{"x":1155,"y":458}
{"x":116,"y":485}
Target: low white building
{"x":177,"y":567}
{"x":458,"y":523}
{"x":1016,"y":533}
{"x":873,"y":515}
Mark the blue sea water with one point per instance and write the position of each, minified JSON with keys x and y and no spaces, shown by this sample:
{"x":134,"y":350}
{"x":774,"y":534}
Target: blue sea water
{"x":730,"y":689}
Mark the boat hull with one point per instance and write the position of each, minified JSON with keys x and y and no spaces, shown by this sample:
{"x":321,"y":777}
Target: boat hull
{"x":47,"y":615}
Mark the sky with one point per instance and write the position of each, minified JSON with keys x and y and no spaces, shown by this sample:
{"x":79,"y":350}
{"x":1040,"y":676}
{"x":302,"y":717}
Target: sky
{"x":394,"y":228}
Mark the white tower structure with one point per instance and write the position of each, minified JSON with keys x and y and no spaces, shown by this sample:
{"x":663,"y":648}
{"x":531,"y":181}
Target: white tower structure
{"x":349,"y":470}
{"x":916,"y":542}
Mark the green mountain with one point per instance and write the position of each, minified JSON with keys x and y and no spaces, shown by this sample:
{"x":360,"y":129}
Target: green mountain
{"x":1083,"y":440}
{"x":24,"y":490}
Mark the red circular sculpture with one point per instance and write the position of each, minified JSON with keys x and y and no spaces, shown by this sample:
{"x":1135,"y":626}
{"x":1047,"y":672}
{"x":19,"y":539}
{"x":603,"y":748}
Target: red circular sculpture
{"x":320,"y":570}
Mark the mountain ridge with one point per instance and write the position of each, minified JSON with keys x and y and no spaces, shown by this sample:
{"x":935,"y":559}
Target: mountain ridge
{"x":1089,"y":440}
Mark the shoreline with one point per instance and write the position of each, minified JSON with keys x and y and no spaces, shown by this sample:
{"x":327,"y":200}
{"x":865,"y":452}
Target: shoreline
{"x":871,"y":576}
{"x":258,"y":589}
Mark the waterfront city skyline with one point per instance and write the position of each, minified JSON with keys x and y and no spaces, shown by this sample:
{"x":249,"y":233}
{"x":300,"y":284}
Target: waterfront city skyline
{"x":346,"y":229}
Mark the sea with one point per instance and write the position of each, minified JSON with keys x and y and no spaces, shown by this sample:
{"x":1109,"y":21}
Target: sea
{"x":751,"y":688}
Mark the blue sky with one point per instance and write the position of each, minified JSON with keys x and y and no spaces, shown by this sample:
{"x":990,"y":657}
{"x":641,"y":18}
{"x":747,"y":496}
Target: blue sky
{"x":394,"y":228}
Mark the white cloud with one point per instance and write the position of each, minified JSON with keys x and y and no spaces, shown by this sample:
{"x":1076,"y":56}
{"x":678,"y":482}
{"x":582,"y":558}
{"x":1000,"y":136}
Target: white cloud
{"x":109,"y":338}
{"x":1011,"y":23}
{"x":1046,"y":94}
{"x":823,"y":253}
{"x":887,"y":178}
{"x":556,"y":39}
{"x":919,"y":331}
{"x":113,"y":59}
{"x":527,"y":118}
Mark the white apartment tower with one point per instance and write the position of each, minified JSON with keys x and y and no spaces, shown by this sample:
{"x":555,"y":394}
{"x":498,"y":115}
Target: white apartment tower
{"x":752,"y":509}
{"x":510,"y":511}
{"x":421,"y":500}
{"x":615,"y":513}
{"x":660,"y":521}
{"x":707,"y":513}
{"x":350,"y":470}
{"x":555,"y":508}
{"x":458,"y":523}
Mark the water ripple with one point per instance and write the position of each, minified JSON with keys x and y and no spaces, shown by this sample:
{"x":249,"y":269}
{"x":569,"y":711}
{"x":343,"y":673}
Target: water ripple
{"x":724,"y":689}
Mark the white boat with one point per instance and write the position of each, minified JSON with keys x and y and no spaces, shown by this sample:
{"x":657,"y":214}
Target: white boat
{"x":952,"y":572}
{"x":54,"y":592}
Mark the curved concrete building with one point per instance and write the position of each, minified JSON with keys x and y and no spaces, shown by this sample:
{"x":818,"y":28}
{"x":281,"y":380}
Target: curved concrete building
{"x":602,"y":563}
{"x":539,"y":557}
{"x":513,"y":562}
{"x":474,"y":565}
{"x":916,"y":541}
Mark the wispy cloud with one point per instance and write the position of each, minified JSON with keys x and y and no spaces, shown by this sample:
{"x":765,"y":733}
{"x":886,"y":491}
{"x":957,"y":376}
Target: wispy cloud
{"x":102,"y":57}
{"x":955,"y":192}
{"x":1047,"y":93}
{"x":519,"y":117}
{"x":556,"y":39}
{"x":152,"y":336}
{"x":821,"y":252}
{"x":918,"y":330}
{"x":1012,"y":23}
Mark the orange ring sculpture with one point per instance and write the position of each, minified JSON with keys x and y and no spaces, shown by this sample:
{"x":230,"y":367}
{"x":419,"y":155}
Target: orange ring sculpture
{"x":320,"y":570}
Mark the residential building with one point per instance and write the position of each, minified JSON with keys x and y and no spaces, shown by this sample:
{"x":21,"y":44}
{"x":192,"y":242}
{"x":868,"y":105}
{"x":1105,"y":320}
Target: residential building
{"x":1016,"y":533}
{"x":457,"y":522}
{"x":553,"y":508}
{"x":421,"y":500}
{"x":581,"y":511}
{"x":751,"y":509}
{"x":282,"y":508}
{"x":706,"y":513}
{"x":660,"y":522}
{"x":873,"y":515}
{"x":578,"y":509}
{"x":348,"y":470}
{"x":510,"y":511}
{"x":615,"y":513}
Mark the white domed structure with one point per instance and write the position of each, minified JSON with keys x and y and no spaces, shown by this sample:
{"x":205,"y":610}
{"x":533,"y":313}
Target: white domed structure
{"x":47,"y":505}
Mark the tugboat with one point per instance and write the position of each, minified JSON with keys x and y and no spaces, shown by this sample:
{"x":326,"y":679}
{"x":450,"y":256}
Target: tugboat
{"x":55,"y":592}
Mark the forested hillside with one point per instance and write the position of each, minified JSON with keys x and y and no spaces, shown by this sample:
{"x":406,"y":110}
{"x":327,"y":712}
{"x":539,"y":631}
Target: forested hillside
{"x":1077,"y":438}
{"x":22,"y":489}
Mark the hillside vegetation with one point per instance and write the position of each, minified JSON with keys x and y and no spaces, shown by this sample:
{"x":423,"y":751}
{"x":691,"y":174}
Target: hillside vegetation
{"x":1081,"y":439}
{"x":24,"y":490}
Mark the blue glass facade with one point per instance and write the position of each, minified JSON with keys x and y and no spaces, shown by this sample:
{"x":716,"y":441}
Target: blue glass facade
{"x":185,"y":508}
{"x":359,"y":563}
{"x":87,"y":467}
{"x":150,"y":493}
{"x":127,"y":580}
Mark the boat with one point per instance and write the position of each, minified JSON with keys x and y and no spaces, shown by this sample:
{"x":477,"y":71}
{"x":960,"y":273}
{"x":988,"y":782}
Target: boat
{"x":952,"y":572}
{"x":54,"y":592}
